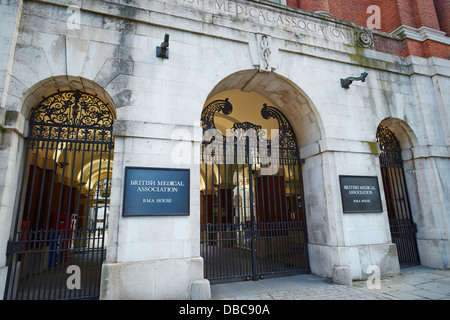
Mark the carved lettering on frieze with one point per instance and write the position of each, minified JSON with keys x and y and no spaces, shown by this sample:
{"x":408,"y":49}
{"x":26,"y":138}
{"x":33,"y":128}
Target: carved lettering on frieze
{"x":264,"y":15}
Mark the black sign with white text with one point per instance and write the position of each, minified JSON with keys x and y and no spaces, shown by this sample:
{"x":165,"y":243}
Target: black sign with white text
{"x":360,"y":194}
{"x":156,"y":192}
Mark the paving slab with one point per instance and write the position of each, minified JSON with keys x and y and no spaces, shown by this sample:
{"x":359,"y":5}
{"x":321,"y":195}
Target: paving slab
{"x":436,"y":287}
{"x":414,"y":283}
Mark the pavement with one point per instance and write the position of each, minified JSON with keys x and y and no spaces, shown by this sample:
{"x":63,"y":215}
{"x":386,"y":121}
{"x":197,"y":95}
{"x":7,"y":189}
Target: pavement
{"x":414,"y":283}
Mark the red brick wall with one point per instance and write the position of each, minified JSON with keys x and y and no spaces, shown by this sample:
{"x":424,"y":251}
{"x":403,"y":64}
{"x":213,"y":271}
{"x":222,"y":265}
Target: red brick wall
{"x":314,"y":5}
{"x":407,"y":14}
{"x":433,"y":14}
{"x":413,"y":48}
{"x":436,"y":49}
{"x":293,"y":3}
{"x":390,"y":16}
{"x":443,"y":14}
{"x":353,"y":11}
{"x":388,"y":45}
{"x":394,"y":13}
{"x":425,"y":14}
{"x":356,"y":11}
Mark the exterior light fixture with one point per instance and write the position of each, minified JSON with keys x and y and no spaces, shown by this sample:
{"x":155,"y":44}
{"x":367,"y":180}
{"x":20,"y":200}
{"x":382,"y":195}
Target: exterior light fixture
{"x":163,"y":50}
{"x":345,"y":83}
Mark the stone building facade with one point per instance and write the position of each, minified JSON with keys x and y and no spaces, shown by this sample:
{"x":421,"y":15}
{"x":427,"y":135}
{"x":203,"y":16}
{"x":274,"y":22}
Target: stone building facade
{"x":293,"y":56}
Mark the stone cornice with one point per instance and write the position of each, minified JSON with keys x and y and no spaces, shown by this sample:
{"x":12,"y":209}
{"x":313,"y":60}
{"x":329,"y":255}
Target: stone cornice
{"x":422,"y":34}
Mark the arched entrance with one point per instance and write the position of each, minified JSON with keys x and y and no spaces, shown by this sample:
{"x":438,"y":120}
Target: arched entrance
{"x":402,"y":227}
{"x":253,"y":221}
{"x":58,"y":244}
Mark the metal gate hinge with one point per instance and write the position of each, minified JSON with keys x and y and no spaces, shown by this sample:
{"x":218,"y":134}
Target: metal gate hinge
{"x":15,"y":247}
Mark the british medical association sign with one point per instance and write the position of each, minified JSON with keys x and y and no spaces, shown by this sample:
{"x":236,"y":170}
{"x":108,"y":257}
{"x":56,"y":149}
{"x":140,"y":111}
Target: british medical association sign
{"x":156,"y":192}
{"x":360,"y":194}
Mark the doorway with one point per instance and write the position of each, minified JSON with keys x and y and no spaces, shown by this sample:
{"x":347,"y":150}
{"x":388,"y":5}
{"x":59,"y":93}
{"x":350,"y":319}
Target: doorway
{"x":402,"y":227}
{"x":58,"y":243}
{"x":252,"y":208}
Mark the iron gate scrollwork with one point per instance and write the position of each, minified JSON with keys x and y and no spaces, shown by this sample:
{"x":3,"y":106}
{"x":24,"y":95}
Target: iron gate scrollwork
{"x":63,"y":202}
{"x":252,"y":213}
{"x":402,"y":227}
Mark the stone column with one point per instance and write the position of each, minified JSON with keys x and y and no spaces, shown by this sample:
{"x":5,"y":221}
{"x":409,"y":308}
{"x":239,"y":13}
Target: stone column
{"x":429,"y":165}
{"x":153,"y":257}
{"x":337,"y":239}
{"x":10,"y":140}
{"x":10,"y":13}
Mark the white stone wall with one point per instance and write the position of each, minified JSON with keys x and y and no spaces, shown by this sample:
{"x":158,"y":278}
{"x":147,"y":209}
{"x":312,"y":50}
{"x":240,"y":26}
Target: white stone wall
{"x":113,"y":53}
{"x":10,"y":144}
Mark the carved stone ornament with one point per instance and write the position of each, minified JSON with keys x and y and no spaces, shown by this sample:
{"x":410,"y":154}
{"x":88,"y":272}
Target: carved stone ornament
{"x":265,"y":53}
{"x":364,"y":38}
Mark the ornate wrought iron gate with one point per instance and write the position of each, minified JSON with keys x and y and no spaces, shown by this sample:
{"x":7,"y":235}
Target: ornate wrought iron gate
{"x":253,"y":223}
{"x":57,"y":247}
{"x":403,"y":228}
